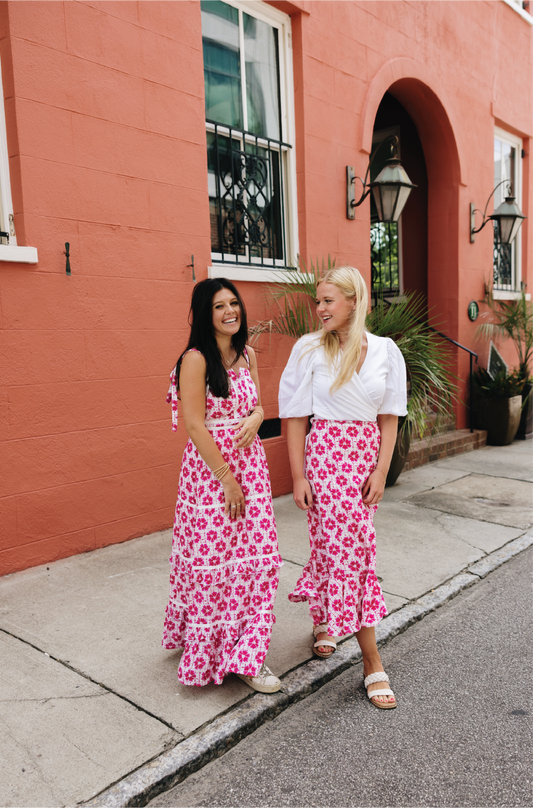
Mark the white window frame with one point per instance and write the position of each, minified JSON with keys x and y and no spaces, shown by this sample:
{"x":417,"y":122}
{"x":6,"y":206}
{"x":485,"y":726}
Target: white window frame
{"x":517,"y":143}
{"x":251,"y":272}
{"x":9,"y":252}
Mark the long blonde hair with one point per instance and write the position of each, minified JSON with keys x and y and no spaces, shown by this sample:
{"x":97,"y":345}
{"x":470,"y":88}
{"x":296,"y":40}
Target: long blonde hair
{"x":350,"y":282}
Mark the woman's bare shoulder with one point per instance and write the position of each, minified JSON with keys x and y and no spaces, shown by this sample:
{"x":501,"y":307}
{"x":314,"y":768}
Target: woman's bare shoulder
{"x":251,"y":355}
{"x":193,"y":361}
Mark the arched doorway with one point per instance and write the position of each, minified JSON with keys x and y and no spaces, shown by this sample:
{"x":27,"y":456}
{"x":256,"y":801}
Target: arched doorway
{"x":399,"y":251}
{"x":418,"y":91}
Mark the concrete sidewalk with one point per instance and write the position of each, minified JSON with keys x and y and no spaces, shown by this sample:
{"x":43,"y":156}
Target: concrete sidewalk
{"x":88,"y":696}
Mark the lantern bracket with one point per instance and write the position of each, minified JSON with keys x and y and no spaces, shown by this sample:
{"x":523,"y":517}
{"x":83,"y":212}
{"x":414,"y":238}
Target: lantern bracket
{"x":486,"y":219}
{"x":351,"y":204}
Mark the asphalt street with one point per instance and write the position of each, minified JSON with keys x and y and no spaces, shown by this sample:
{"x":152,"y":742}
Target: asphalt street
{"x":461,"y":735}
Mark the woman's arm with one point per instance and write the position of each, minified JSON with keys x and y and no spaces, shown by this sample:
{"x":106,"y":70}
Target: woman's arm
{"x":247,"y":429}
{"x":301,"y":490}
{"x":374,"y":486}
{"x":192,"y":390}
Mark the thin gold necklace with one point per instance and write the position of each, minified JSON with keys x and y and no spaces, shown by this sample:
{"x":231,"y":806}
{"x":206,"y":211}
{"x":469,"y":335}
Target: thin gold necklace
{"x":227,"y":362}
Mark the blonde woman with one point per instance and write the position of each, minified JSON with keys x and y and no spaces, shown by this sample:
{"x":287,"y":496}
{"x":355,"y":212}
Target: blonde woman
{"x":354,"y":385}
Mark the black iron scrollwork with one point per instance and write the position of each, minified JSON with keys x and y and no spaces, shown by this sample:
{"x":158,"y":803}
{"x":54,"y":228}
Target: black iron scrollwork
{"x":502,"y":262}
{"x":246,"y":196}
{"x":384,"y":257}
{"x":246,"y":201}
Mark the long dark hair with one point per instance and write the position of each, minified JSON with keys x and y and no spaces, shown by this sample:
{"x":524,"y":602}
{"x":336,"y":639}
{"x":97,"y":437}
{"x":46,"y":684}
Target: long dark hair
{"x":202,"y":336}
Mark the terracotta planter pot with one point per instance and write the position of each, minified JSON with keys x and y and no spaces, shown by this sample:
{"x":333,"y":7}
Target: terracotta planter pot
{"x":499,"y":416}
{"x":525,"y":429}
{"x":399,"y":456}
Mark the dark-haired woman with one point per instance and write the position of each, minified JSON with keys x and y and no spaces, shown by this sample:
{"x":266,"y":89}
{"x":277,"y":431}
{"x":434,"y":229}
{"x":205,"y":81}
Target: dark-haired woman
{"x":225,"y":559}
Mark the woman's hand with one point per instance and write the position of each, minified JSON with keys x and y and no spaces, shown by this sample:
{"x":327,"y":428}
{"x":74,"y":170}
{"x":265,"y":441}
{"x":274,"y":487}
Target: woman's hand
{"x":234,"y":498}
{"x":374,"y":487}
{"x":247,"y":429}
{"x":302,"y":494}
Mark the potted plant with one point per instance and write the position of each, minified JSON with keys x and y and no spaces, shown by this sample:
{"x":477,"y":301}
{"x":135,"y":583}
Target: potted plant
{"x":513,"y":320}
{"x":497,"y":404}
{"x":431,"y":390}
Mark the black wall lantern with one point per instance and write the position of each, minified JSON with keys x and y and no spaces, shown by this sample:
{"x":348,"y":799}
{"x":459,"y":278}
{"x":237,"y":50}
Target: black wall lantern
{"x":508,"y":217}
{"x":390,"y":189}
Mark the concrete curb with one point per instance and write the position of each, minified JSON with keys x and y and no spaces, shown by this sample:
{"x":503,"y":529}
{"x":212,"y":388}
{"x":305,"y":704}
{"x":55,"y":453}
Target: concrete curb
{"x":170,"y":768}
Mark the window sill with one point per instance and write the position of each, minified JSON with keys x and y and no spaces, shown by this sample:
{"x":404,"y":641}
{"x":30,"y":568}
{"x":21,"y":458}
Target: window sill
{"x":18,"y":255}
{"x":246,"y":272}
{"x":500,"y":294}
{"x":520,"y":11}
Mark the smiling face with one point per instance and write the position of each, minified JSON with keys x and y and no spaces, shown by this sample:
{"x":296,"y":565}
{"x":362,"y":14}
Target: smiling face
{"x":334,"y":310}
{"x":226,"y":313}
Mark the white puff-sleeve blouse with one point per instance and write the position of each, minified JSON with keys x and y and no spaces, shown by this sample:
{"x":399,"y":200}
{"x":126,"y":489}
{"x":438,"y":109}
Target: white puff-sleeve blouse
{"x":379,"y":388}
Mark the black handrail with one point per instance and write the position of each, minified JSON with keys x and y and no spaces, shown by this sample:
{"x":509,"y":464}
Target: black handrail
{"x":472,"y":353}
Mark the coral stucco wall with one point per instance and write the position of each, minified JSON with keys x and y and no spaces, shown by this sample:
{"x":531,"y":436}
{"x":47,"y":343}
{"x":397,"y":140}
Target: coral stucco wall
{"x":106,"y":136}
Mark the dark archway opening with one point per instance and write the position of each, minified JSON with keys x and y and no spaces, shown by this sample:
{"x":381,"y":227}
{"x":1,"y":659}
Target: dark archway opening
{"x":400,"y":252}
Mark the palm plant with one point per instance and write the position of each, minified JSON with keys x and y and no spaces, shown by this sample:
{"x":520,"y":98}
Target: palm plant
{"x":431,"y":390}
{"x":426,"y":355}
{"x":514,"y":321}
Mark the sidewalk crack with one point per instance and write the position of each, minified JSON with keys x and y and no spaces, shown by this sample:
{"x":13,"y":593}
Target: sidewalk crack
{"x":94,"y":682}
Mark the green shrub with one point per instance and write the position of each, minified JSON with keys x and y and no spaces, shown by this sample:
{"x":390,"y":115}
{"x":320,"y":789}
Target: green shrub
{"x":503,"y":385}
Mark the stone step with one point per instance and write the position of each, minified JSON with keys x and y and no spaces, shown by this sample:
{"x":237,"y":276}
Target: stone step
{"x":448,"y":444}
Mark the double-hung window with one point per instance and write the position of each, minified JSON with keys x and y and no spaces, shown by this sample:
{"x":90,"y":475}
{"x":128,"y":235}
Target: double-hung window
{"x":249,"y":123}
{"x":507,"y":168}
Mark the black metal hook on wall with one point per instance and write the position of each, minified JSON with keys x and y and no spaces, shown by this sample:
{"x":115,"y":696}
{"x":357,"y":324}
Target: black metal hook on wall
{"x":67,"y":253}
{"x":192,"y":265}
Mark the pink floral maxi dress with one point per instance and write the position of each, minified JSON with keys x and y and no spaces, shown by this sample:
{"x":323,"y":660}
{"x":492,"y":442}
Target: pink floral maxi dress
{"x":224,"y":572}
{"x":339,"y":581}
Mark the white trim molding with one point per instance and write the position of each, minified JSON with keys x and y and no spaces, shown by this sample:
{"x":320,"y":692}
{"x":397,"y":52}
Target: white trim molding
{"x":502,"y":294}
{"x":517,"y":6}
{"x":18,"y":255}
{"x":247,"y":272}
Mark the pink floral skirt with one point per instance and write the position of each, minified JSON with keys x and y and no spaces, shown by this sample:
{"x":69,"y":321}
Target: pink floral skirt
{"x":224,"y":572}
{"x":340,"y":581}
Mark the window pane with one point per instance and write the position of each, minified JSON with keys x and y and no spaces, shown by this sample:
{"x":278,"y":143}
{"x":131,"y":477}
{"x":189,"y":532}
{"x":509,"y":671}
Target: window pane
{"x":504,"y":169}
{"x":222,"y":68}
{"x":384,"y":257}
{"x":504,"y":262}
{"x":262,"y":86}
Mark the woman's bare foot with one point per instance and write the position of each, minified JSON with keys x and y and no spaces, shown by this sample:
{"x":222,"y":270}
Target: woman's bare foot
{"x":326,"y":650}
{"x":383,"y":699}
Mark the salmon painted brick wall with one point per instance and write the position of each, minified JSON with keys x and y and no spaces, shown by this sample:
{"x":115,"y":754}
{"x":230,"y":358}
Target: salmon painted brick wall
{"x":107,"y":147}
{"x":106,"y":135}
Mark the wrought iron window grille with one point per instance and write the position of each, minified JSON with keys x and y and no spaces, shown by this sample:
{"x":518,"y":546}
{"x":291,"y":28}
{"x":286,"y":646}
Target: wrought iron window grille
{"x":502,"y":264}
{"x":246,"y":197}
{"x":384,"y":258}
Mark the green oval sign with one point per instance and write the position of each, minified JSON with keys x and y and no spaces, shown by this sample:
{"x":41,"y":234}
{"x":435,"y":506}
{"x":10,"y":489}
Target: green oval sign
{"x":473,"y":310}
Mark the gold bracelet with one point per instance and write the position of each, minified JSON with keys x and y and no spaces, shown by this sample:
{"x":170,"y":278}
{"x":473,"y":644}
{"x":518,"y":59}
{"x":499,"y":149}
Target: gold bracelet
{"x":259,"y":413}
{"x":378,"y":469}
{"x":219,"y":473}
{"x":220,"y":476}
